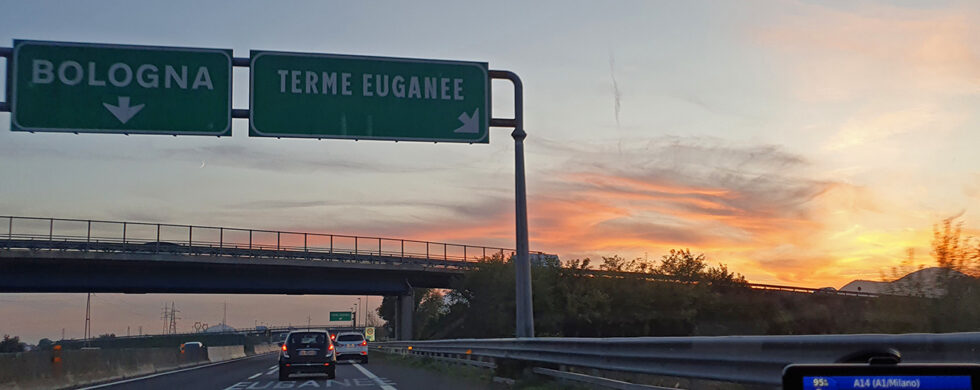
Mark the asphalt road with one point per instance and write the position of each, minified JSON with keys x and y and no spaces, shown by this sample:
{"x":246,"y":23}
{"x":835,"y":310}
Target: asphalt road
{"x":261,"y":372}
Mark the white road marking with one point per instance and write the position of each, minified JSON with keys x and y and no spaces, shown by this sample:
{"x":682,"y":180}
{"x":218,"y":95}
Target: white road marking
{"x":256,"y":375}
{"x":273,"y":370}
{"x":373,"y":377}
{"x":165,"y":373}
{"x":273,"y":366}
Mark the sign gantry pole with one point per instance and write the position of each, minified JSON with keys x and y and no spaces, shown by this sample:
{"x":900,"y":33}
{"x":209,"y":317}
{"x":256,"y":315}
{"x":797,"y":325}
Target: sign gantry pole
{"x":100,"y":88}
{"x":522,"y":262}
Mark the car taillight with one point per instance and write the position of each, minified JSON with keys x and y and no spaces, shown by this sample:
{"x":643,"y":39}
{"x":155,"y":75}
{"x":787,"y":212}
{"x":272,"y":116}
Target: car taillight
{"x":333,"y":337}
{"x":330,"y":348}
{"x":364,"y":343}
{"x":284,"y":347}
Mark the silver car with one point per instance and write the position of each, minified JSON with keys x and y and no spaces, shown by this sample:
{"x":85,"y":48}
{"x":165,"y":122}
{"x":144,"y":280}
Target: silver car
{"x":351,"y":346}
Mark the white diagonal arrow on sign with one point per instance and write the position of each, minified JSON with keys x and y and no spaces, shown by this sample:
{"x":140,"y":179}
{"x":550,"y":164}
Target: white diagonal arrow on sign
{"x":123,"y":111}
{"x":470,"y":123}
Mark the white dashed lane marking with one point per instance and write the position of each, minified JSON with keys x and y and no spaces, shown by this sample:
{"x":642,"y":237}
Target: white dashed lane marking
{"x":373,"y":377}
{"x":256,"y":375}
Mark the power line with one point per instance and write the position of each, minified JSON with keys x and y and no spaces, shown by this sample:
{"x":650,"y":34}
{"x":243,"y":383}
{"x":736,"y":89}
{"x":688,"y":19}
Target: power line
{"x":121,"y":307}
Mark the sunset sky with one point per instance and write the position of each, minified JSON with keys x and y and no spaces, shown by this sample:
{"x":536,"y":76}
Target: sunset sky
{"x":799,"y":142}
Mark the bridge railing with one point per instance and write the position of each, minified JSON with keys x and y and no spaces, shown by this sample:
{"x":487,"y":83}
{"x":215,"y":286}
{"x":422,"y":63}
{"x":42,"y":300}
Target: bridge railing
{"x":162,"y":237}
{"x":100,"y":235}
{"x":743,"y":359}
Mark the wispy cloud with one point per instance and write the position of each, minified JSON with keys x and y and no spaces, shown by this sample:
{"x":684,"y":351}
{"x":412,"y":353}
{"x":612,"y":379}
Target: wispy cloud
{"x":735,"y":202}
{"x":617,"y":96}
{"x":255,"y":158}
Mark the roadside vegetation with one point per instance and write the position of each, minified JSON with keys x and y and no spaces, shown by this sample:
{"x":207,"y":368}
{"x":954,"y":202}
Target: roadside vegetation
{"x":11,"y":344}
{"x":682,"y":294}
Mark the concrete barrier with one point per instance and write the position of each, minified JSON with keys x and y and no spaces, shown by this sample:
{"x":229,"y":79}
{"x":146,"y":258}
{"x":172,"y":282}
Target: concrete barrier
{"x":55,"y":370}
{"x":47,"y":370}
{"x":266,"y":348}
{"x":220,"y":354}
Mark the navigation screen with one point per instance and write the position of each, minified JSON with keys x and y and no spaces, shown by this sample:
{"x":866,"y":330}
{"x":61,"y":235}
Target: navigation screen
{"x":887,"y":382}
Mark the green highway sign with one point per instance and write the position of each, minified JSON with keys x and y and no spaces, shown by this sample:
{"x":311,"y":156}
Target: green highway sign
{"x":98,"y":88}
{"x":355,"y":97}
{"x":340,"y":316}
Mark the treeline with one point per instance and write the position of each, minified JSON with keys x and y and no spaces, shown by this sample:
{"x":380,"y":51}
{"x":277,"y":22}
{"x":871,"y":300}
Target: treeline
{"x":680,"y":295}
{"x":11,"y":344}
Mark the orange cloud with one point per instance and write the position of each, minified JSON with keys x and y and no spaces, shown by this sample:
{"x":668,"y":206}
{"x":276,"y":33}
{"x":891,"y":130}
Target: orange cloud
{"x":751,"y":207}
{"x":758,"y":209}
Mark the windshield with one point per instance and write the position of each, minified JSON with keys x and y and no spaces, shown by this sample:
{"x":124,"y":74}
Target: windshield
{"x":307,"y":340}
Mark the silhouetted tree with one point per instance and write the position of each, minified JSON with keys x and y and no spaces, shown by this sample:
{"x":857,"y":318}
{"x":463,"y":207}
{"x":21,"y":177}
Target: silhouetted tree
{"x":11,"y":344}
{"x":949,"y":250}
{"x":682,"y":264}
{"x":45,"y":344}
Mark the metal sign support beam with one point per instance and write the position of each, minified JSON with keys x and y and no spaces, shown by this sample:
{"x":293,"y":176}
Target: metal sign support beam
{"x":522,"y":262}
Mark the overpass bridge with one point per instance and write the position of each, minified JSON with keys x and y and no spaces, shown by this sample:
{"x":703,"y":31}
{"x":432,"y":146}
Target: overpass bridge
{"x":74,"y":255}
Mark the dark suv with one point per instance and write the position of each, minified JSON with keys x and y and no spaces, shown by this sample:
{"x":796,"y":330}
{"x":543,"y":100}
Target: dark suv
{"x":308,"y":351}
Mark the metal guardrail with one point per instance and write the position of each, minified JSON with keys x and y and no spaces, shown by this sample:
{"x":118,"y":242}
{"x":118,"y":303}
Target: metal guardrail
{"x":754,"y":286}
{"x":120,"y":236}
{"x":245,"y":331}
{"x":743,"y":359}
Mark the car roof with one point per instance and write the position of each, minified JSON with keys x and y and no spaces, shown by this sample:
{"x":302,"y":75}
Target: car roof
{"x":349,"y":333}
{"x":309,"y":331}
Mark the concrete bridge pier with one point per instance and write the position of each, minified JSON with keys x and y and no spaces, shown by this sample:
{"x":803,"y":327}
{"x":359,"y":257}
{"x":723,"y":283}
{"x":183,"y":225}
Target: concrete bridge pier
{"x":405,"y":308}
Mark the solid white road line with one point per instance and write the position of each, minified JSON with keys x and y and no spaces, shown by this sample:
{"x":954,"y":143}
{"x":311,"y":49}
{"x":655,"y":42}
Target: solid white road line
{"x":373,"y":377}
{"x":165,"y":373}
{"x":256,"y":375}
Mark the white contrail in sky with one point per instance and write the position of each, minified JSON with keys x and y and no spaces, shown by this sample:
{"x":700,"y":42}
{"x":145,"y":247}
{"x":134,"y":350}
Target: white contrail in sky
{"x":616,"y":94}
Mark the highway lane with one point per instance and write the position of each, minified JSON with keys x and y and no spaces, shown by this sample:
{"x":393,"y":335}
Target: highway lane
{"x":261,"y":372}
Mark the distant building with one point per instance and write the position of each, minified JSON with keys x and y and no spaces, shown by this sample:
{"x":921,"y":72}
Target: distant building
{"x":927,"y":282}
{"x":543,"y":259}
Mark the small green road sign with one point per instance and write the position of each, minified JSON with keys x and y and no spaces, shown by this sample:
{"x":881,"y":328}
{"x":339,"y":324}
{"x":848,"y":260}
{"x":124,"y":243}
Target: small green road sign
{"x":98,"y":88}
{"x":340,"y":316}
{"x":379,"y":98}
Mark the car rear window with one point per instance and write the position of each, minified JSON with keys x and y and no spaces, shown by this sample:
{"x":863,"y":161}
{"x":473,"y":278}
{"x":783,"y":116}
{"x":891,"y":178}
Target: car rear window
{"x":350,"y":337}
{"x":310,"y":339}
